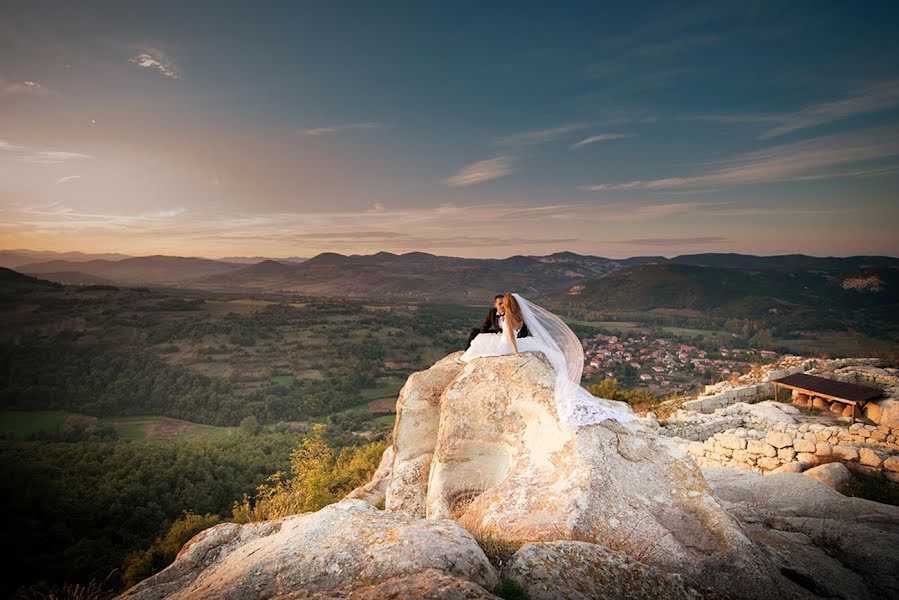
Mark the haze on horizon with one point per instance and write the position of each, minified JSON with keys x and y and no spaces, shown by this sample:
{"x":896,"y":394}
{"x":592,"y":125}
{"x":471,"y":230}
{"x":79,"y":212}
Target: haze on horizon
{"x":464,"y":129}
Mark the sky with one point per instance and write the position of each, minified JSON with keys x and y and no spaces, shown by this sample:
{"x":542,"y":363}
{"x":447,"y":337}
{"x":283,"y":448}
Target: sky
{"x":477,"y":129}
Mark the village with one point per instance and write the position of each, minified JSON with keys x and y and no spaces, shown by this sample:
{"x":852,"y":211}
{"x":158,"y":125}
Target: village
{"x":664,"y":364}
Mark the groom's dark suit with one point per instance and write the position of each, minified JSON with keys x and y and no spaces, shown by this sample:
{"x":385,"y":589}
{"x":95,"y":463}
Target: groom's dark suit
{"x":491,"y":325}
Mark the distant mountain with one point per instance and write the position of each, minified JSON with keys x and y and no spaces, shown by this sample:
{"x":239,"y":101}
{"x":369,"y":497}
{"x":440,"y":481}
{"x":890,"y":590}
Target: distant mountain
{"x":10,"y":278}
{"x":420,"y":275}
{"x":868,"y":295}
{"x":76,"y":278}
{"x":252,"y":260}
{"x":416,"y":275}
{"x":784,"y":261}
{"x":12,"y":259}
{"x":143,"y":270}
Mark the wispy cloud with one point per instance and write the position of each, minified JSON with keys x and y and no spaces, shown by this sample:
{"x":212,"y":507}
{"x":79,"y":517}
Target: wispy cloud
{"x":817,"y":158}
{"x":539,"y":136}
{"x":152,"y":58}
{"x":22,"y":88}
{"x":877,"y":98}
{"x":676,"y":241}
{"x":331,"y":129}
{"x":481,"y":171}
{"x":5,"y":145}
{"x":68,"y":178}
{"x":52,"y":157}
{"x":601,"y":138}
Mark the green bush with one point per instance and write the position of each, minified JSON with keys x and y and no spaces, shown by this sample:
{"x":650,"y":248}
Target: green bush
{"x":162,"y":552}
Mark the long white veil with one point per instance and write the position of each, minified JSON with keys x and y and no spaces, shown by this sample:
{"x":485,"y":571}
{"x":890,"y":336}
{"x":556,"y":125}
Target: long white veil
{"x":575,"y":405}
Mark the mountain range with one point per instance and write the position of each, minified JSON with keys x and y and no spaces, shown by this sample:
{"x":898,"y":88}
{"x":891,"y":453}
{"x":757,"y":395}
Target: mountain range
{"x":852,"y":296}
{"x":605,"y":282}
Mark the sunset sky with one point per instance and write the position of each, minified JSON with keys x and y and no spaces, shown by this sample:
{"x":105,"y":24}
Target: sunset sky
{"x":481,"y":129}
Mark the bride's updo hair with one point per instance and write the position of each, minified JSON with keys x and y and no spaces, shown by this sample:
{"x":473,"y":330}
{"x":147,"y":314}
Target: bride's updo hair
{"x":511,"y":304}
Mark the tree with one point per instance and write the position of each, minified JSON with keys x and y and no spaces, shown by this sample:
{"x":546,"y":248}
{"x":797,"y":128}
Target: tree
{"x":319,"y":475}
{"x":163,"y":551}
{"x":249,"y":426}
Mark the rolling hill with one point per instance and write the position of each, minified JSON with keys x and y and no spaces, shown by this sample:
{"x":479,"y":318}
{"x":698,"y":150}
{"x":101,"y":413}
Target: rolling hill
{"x":416,"y":275}
{"x":866,"y":296}
{"x":13,"y":279}
{"x":141,"y":270}
{"x":421,"y":276}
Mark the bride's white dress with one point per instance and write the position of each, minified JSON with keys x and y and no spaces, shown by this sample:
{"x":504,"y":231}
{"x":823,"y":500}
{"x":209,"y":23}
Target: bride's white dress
{"x":550,"y":335}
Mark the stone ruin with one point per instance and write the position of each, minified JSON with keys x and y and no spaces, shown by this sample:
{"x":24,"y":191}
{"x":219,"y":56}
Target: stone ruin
{"x":736,"y":424}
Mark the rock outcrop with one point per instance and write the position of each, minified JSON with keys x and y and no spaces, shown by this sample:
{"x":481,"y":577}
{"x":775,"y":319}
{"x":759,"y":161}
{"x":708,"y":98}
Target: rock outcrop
{"x":830,"y":545}
{"x":582,"y":571}
{"x":480,"y":460}
{"x":480,"y":443}
{"x":348,"y":549}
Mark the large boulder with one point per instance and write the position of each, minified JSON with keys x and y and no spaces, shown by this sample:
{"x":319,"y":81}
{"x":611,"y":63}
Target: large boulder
{"x":347,"y":549}
{"x":503,"y":466}
{"x":582,"y":571}
{"x":415,"y":434}
{"x":834,"y":475}
{"x":831,"y":545}
{"x":884,"y":412}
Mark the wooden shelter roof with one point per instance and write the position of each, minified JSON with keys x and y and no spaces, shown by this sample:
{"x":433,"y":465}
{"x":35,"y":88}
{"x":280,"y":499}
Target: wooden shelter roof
{"x":829,"y":387}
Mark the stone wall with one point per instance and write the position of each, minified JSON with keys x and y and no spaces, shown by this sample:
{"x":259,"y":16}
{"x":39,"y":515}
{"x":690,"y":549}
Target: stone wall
{"x":699,"y":426}
{"x":752,"y":386}
{"x":871,"y":449}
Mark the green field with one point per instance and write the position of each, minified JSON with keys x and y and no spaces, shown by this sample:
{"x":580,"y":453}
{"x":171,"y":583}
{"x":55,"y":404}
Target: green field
{"x":284,"y":380}
{"x":387,"y":389}
{"x":385,"y":419}
{"x":21,"y":424}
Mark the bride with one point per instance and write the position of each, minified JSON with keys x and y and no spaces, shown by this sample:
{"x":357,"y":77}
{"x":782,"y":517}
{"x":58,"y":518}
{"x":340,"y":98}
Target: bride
{"x":551,"y":336}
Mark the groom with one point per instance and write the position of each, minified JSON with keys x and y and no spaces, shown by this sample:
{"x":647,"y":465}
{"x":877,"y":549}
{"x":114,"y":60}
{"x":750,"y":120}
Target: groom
{"x":493,"y":322}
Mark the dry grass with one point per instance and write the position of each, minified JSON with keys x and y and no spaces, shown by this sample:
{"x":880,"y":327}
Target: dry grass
{"x":628,"y":541}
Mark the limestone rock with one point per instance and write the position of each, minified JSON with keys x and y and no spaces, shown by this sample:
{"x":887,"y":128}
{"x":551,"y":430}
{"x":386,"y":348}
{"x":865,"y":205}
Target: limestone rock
{"x":375,"y":490}
{"x":346,"y":546}
{"x":415,"y":435}
{"x":793,"y":467}
{"x":892,"y":464}
{"x":772,"y":412}
{"x":844,"y":452}
{"x":870,"y":458}
{"x":889,"y":413}
{"x":583,"y":571}
{"x":503,"y":466}
{"x":834,"y":475}
{"x":429,"y":584}
{"x":803,"y":445}
{"x":779,"y":439}
{"x":830,"y":545}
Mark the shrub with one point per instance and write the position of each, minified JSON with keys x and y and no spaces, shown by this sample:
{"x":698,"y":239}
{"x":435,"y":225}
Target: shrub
{"x":163,"y":550}
{"x":249,"y":426}
{"x":319,"y":475}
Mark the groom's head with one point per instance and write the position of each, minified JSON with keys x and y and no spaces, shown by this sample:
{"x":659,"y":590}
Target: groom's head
{"x":498,"y":302}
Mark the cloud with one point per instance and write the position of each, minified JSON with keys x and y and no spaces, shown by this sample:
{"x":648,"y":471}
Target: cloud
{"x":52,"y":157}
{"x":816,"y":158}
{"x":341,"y":128}
{"x":22,"y":88}
{"x":539,"y":136}
{"x":674,"y":241}
{"x":68,"y":178}
{"x":481,"y":171}
{"x":151,"y":58}
{"x":601,"y":138}
{"x":604,"y":187}
{"x":877,"y":98}
{"x":4,"y":145}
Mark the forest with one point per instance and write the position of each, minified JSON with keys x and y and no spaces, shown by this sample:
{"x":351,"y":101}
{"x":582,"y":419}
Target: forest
{"x":263,"y":394}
